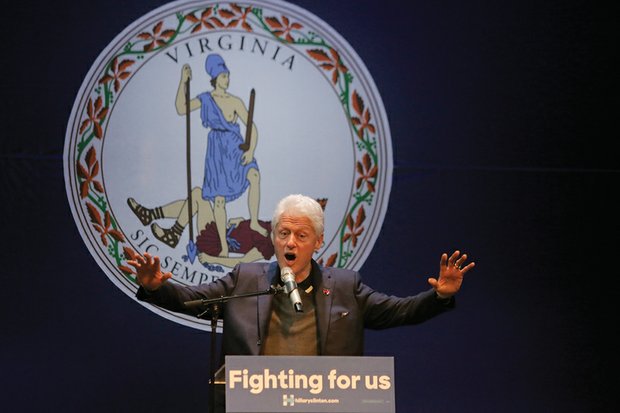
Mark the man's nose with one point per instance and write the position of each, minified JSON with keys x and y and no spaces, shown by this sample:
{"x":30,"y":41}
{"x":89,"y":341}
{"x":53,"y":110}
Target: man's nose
{"x":290,"y":241}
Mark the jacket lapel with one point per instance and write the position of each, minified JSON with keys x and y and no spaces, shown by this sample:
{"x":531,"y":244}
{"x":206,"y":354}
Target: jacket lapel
{"x":323,"y":297}
{"x":263,"y":313}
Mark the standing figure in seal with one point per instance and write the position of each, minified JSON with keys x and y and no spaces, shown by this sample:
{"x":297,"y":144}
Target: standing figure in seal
{"x":229,"y":171}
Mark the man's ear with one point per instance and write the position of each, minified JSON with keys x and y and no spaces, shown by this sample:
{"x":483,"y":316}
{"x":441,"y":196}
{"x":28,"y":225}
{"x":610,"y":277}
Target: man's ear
{"x":319,"y":243}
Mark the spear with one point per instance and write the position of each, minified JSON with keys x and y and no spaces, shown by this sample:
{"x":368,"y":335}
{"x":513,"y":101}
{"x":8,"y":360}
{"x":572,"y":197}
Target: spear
{"x":192,"y":250}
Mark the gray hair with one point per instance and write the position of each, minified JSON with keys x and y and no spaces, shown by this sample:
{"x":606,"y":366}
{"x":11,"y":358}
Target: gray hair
{"x":299,"y":206}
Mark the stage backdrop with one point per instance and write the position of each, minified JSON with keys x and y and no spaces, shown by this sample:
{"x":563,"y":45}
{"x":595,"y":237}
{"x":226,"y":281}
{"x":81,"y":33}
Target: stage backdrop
{"x":489,"y":124}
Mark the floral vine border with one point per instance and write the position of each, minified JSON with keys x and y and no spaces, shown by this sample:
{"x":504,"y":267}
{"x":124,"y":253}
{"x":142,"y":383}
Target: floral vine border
{"x":118,"y":69}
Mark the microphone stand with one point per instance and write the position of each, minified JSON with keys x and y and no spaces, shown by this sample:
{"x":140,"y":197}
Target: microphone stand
{"x":212,"y":307}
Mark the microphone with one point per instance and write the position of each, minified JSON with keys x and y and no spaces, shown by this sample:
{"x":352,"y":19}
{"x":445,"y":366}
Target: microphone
{"x":290,"y":288}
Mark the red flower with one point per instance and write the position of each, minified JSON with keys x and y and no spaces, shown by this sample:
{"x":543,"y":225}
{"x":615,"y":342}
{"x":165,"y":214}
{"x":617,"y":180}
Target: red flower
{"x":330,"y":261}
{"x":130,"y":254}
{"x":367,"y":174}
{"x":95,"y":114}
{"x":322,"y":202}
{"x":157,"y":38}
{"x":206,"y":20}
{"x":363,"y":121}
{"x":88,"y":173}
{"x":119,"y":73}
{"x":240,"y":16}
{"x":329,"y":63}
{"x":283,"y":29}
{"x":355,"y":228}
{"x":103,"y":226}
{"x":126,"y":269}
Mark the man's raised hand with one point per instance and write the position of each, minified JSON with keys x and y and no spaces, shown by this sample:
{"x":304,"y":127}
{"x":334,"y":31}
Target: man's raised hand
{"x":148,"y":271}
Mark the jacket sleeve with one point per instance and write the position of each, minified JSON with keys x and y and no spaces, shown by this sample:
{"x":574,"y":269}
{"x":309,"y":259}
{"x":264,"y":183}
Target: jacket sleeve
{"x":172,"y":295}
{"x":383,"y":311}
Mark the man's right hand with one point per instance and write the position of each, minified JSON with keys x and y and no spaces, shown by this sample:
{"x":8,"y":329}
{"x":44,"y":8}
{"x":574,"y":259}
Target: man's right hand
{"x":148,"y":271}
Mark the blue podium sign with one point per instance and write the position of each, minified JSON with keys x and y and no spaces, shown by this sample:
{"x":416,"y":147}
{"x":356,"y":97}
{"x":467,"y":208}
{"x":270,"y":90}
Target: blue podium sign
{"x":309,"y":384}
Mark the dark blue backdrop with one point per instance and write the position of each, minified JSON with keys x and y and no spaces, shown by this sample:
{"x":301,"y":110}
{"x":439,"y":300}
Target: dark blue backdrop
{"x":502,"y":117}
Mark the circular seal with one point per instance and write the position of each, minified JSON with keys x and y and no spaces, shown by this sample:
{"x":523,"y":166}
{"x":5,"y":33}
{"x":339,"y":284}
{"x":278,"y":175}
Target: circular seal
{"x":201,"y":115}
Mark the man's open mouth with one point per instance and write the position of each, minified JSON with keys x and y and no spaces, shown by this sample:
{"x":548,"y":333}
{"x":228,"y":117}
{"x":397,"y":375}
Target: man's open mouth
{"x":290,"y":256}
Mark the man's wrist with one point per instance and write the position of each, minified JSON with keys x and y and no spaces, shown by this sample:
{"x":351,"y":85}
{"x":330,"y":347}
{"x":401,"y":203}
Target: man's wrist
{"x":148,"y":291}
{"x":444,"y":299}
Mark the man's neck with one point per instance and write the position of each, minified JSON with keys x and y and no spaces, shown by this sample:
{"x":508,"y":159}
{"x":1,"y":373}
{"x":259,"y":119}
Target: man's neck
{"x":304,"y":274}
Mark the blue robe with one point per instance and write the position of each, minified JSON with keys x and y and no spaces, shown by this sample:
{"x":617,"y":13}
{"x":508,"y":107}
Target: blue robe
{"x":225,"y":176}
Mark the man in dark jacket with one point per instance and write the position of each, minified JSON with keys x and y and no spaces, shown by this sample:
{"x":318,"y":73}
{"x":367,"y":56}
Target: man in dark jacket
{"x":336,"y":305}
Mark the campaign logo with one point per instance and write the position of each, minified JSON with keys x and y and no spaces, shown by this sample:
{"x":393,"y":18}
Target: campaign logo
{"x":197,"y":118}
{"x":288,"y":400}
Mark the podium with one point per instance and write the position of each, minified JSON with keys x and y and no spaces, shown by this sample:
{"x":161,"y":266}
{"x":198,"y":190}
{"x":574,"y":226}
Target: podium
{"x":310,"y":384}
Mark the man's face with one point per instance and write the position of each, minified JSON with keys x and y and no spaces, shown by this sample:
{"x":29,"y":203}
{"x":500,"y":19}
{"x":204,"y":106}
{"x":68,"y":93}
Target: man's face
{"x":295,"y":240}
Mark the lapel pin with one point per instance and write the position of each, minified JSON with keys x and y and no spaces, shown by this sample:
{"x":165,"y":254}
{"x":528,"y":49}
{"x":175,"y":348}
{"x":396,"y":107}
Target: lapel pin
{"x":326,"y":291}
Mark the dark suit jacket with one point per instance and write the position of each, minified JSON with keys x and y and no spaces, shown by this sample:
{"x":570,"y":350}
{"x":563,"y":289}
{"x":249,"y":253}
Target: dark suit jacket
{"x":344,"y":307}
